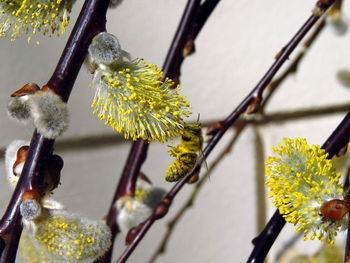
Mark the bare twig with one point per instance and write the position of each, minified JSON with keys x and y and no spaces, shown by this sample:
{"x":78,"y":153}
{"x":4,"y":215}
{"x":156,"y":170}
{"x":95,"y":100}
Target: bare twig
{"x":90,"y":21}
{"x":254,"y":98}
{"x":293,"y":67}
{"x":240,"y":125}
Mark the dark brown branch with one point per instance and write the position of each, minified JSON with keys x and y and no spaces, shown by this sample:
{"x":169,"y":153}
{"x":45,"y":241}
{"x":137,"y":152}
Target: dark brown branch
{"x":91,"y":20}
{"x":254,"y":98}
{"x":189,"y":33}
{"x":171,"y":65}
{"x":204,"y":12}
{"x":338,"y":139}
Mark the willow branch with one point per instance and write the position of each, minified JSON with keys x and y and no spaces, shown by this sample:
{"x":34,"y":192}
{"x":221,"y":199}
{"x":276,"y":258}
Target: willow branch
{"x":333,"y":145}
{"x":254,"y":99}
{"x":239,"y":126}
{"x":91,"y":20}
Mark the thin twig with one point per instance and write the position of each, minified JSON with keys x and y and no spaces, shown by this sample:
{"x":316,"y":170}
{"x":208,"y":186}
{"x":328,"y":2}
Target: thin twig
{"x":240,"y":125}
{"x":300,"y":114}
{"x":338,"y":139}
{"x":293,"y":66}
{"x":90,"y":21}
{"x":254,"y":98}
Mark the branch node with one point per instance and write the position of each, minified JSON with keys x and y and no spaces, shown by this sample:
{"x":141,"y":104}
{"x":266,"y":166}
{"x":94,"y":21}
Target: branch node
{"x":214,"y":128}
{"x":321,"y":7}
{"x":30,"y":195}
{"x":255,"y":105}
{"x":193,"y":179}
{"x":343,"y":151}
{"x":189,"y":47}
{"x":133,"y":232}
{"x":27,"y":89}
{"x":162,"y":209}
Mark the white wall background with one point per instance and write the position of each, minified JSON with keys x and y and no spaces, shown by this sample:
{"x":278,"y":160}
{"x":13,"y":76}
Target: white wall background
{"x":233,"y":51}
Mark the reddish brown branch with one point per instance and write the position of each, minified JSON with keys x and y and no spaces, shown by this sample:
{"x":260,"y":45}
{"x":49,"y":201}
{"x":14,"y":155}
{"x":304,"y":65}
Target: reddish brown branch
{"x":254,"y":97}
{"x":91,"y":20}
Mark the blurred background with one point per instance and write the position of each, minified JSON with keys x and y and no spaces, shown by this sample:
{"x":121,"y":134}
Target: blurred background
{"x":233,"y":51}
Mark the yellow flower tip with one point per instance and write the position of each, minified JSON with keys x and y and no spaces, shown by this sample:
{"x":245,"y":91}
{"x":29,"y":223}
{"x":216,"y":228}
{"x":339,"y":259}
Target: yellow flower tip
{"x":19,"y":17}
{"x":137,"y":102}
{"x":301,"y":180}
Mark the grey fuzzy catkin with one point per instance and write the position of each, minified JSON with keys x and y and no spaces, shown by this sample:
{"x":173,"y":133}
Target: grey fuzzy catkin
{"x":105,"y":49}
{"x":30,"y":209}
{"x":18,"y":109}
{"x":49,"y":112}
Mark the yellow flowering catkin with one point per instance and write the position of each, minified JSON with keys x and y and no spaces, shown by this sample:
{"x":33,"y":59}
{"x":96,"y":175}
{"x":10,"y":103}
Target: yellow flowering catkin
{"x":134,"y":100}
{"x":23,"y":16}
{"x":301,"y":179}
